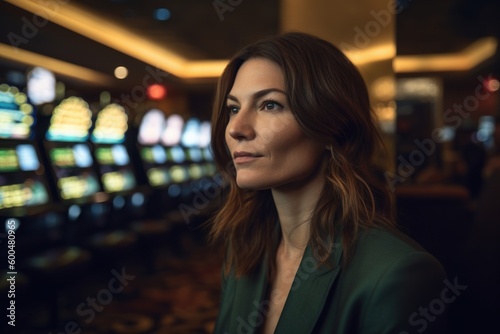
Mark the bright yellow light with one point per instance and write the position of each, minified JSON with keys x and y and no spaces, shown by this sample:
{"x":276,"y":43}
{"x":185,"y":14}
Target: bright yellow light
{"x":372,"y":54}
{"x":20,"y":98}
{"x":464,"y":60}
{"x":121,"y":72}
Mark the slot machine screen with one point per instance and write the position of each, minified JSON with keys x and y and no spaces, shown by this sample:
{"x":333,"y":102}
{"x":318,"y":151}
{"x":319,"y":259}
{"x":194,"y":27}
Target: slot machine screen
{"x":155,"y":159}
{"x":116,"y":174}
{"x":172,"y":131}
{"x":179,"y":174}
{"x":154,"y":156}
{"x":72,"y":164}
{"x":70,"y":121}
{"x":195,"y":154}
{"x":151,"y":127}
{"x":113,"y":160}
{"x":21,"y":177}
{"x":205,"y":133}
{"x":69,"y":153}
{"x":41,"y":86}
{"x":22,"y":180}
{"x":16,"y":114}
{"x":177,"y":154}
{"x":110,"y":125}
{"x":191,"y":133}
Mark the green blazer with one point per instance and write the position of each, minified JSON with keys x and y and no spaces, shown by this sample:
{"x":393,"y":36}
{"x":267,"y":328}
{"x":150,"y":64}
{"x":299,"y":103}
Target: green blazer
{"x":391,"y":285}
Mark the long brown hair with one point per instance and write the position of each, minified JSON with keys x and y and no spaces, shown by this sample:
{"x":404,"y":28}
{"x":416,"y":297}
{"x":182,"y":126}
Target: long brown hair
{"x":330,"y":101}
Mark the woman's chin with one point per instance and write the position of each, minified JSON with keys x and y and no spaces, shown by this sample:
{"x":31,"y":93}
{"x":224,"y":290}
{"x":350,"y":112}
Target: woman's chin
{"x":247,"y":184}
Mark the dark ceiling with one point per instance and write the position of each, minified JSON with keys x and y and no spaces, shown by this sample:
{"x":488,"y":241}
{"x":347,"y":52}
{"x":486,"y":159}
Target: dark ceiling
{"x":197,"y":31}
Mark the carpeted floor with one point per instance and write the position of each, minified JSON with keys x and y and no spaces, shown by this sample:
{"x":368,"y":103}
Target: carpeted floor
{"x":179,"y":294}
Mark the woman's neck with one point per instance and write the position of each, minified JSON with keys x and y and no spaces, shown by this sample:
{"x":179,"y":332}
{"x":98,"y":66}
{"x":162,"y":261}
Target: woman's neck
{"x":295,"y":205}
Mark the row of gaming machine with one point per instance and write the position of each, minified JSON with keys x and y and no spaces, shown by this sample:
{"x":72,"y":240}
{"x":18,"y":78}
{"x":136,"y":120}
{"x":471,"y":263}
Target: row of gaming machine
{"x":72,"y":174}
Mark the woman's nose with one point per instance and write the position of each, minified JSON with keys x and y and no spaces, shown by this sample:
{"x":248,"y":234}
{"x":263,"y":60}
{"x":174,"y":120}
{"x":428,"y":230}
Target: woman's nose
{"x":241,"y":126}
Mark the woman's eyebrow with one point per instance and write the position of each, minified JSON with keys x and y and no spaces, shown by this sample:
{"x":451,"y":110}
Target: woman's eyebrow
{"x":258,"y":94}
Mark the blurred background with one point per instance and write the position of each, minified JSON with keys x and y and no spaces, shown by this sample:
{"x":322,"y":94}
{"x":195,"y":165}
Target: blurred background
{"x":106,"y":175}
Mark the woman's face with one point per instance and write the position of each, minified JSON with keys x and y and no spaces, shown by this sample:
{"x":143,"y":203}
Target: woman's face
{"x":268,"y":147}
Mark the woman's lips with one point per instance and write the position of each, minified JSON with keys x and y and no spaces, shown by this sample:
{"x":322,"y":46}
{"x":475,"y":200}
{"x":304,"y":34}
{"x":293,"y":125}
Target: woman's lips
{"x":241,"y":157}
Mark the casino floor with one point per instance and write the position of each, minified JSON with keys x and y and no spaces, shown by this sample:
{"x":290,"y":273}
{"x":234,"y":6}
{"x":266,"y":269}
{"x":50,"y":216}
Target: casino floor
{"x":178,"y":293}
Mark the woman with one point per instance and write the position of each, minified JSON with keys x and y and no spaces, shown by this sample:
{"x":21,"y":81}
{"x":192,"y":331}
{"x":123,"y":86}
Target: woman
{"x":311,"y":243}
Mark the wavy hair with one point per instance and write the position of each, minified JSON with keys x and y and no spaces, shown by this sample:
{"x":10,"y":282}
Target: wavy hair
{"x":329,"y":99}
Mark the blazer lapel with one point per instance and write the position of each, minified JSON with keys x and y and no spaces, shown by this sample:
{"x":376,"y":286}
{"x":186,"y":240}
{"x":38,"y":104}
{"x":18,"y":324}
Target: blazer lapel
{"x":309,"y":291}
{"x":250,"y":314}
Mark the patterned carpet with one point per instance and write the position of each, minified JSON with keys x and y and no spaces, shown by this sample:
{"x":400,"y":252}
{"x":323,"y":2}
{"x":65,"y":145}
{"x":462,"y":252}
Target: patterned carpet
{"x":180,"y":294}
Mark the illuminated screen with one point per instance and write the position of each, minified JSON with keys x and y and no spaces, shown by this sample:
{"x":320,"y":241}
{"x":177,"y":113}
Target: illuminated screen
{"x":177,"y":154}
{"x":207,"y":154}
{"x":172,"y":131}
{"x":16,"y":116}
{"x":195,"y":154}
{"x":111,"y":125}
{"x":28,"y":193}
{"x":23,"y":157}
{"x":191,"y":133}
{"x":179,"y":174}
{"x":154,"y":154}
{"x":41,"y":86}
{"x":28,"y":159}
{"x":73,"y":168}
{"x":195,"y":171}
{"x":151,"y":127}
{"x":8,"y":160}
{"x":118,"y":180}
{"x":205,"y":129}
{"x":21,"y":179}
{"x":70,"y":121}
{"x":112,"y":155}
{"x":116,"y":173}
{"x":75,"y":156}
{"x":158,"y":176}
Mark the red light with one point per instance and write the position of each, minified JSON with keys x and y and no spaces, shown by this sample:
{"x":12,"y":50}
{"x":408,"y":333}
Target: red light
{"x":156,"y":92}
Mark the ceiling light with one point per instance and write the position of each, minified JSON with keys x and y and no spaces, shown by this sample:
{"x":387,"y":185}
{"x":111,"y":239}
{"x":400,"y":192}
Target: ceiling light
{"x":492,"y":84}
{"x":464,"y":60}
{"x":123,"y":39}
{"x":55,"y":65}
{"x":121,"y":72}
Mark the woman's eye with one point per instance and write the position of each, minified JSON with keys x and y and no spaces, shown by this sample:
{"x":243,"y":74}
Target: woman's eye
{"x":270,"y":105}
{"x":232,"y":110}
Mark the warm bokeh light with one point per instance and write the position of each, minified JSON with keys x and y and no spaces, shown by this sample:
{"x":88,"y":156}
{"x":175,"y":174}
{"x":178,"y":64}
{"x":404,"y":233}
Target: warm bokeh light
{"x":121,"y":72}
{"x":492,"y":84}
{"x":464,"y":60}
{"x":55,"y":65}
{"x":156,"y":92}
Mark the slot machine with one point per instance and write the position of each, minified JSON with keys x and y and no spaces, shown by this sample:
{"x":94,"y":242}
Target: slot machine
{"x":207,"y":162}
{"x":190,"y":141}
{"x":114,"y":164}
{"x":200,"y":162}
{"x":43,"y":259}
{"x":77,"y":184}
{"x":24,"y":191}
{"x":161,"y":158}
{"x":203,"y":183}
{"x":177,"y":156}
